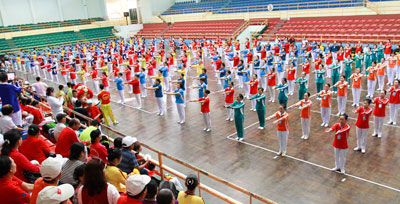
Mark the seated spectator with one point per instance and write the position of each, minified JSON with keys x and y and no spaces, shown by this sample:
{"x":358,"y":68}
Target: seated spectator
{"x":12,"y":140}
{"x":165,"y":196}
{"x":78,"y":108}
{"x":85,"y":134}
{"x":6,"y":121}
{"x":135,"y":189}
{"x":129,"y":162}
{"x":12,"y":189}
{"x":60,"y":92}
{"x":61,"y":120}
{"x":189,"y":196}
{"x":77,"y":155}
{"x":152,"y":190}
{"x":51,"y":174}
{"x":170,"y":186}
{"x":96,"y":149}
{"x":68,"y":137}
{"x":93,"y":111}
{"x":56,"y":194}
{"x":56,"y":104}
{"x":95,"y":188}
{"x":78,"y":177}
{"x":113,"y":174}
{"x":38,"y":116}
{"x":117,"y":143}
{"x":33,"y":147}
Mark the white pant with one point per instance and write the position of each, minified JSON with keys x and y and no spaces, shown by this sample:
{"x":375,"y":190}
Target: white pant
{"x":394,"y":109}
{"x":391,"y":74}
{"x":329,"y":72}
{"x":386,"y":56}
{"x":17,"y":118}
{"x":121,"y":95}
{"x":397,"y":72}
{"x":181,"y":111}
{"x":356,"y":95}
{"x":381,"y":82}
{"x":326,"y":115}
{"x":139,"y":101}
{"x":340,"y":158}
{"x":271,"y":93}
{"x":143,"y":90}
{"x":166,"y":83}
{"x":371,"y":87}
{"x":253,"y":102}
{"x":342,"y":104}
{"x":56,"y":78}
{"x":378,"y":125}
{"x":280,"y":76}
{"x":362,"y":134}
{"x":65,"y":79}
{"x":207,"y":119}
{"x":305,"y":124}
{"x":240,"y":81}
{"x":246,"y":90}
{"x":160,"y":104}
{"x":230,"y":112}
{"x":291,"y":86}
{"x":263,"y":82}
{"x":96,"y":86}
{"x":283,"y":139}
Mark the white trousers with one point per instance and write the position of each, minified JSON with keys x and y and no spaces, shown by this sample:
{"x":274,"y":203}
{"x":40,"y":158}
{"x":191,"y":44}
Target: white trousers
{"x":240,"y":81}
{"x":378,"y":125}
{"x":356,"y":95}
{"x":391,"y":74}
{"x":181,"y":111}
{"x":96,"y":86}
{"x":326,"y":115}
{"x":139,"y":101}
{"x":271,"y":93}
{"x":166,"y":83}
{"x":397,"y":71}
{"x":246,"y":90}
{"x":263,"y":82}
{"x":394,"y":109}
{"x":280,"y":76}
{"x":371,"y":87}
{"x":160,"y":105}
{"x":143,"y":91}
{"x":362,"y":134}
{"x":207,"y":120}
{"x":305,"y":124}
{"x":381,"y":82}
{"x":340,"y":158}
{"x":342,"y":104}
{"x":253,"y":102}
{"x":121,"y":95}
{"x":283,"y":139}
{"x":291,"y":86}
{"x":230,"y":112}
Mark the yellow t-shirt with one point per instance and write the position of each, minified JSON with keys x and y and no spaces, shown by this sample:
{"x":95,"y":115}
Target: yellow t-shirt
{"x":189,"y":199}
{"x":82,"y":75}
{"x":199,"y":68}
{"x":116,"y":177}
{"x":105,"y":69}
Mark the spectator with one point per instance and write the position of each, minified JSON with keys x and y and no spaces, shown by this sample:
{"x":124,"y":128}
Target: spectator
{"x":51,"y":174}
{"x":60,"y":92}
{"x":12,"y":189}
{"x":61,"y":120}
{"x":152,"y":190}
{"x":165,"y":196}
{"x":187,"y":197}
{"x":33,"y":108}
{"x":118,"y":142}
{"x":56,"y":194}
{"x":93,"y":111}
{"x":6,"y":121}
{"x":96,"y":149}
{"x":129,"y":162}
{"x":12,"y":140}
{"x":95,"y":189}
{"x":85,"y":134}
{"x":56,"y":104}
{"x":113,"y":174}
{"x":34,"y":148}
{"x":170,"y":186}
{"x":77,"y":155}
{"x":78,"y":177}
{"x":68,"y":137}
{"x":135,"y":189}
{"x":78,"y":108}
{"x":8,"y":95}
{"x":40,"y":87}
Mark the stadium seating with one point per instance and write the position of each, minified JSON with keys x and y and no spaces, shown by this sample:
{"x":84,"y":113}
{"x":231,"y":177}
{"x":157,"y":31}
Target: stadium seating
{"x":3,"y":44}
{"x":97,"y":33}
{"x":152,"y":29}
{"x":372,"y":28}
{"x":192,"y":7}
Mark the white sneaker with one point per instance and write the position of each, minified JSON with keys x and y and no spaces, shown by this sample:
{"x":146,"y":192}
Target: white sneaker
{"x":208,"y":130}
{"x":237,"y":138}
{"x":390,"y":122}
{"x":305,"y":137}
{"x":241,"y":139}
{"x":357,"y":148}
{"x":254,"y":110}
{"x":326,"y":125}
{"x":116,"y":123}
{"x":205,"y":129}
{"x":342,"y":171}
{"x":322,"y":124}
{"x":251,"y":109}
{"x":363,"y":151}
{"x":279,"y":153}
{"x":227,"y":119}
{"x":231,"y":119}
{"x":261,"y":128}
{"x":302,"y":137}
{"x":338,"y":114}
{"x":334,"y":169}
{"x":379,"y":136}
{"x":283,"y":154}
{"x":394,"y":123}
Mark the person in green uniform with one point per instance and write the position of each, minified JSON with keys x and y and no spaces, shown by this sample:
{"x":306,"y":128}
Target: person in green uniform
{"x":348,"y":70}
{"x":302,"y":85}
{"x":260,"y":107}
{"x":320,"y":80}
{"x":368,"y":59}
{"x":358,"y":59}
{"x":374,"y":52}
{"x":283,"y":92}
{"x":238,"y":106}
{"x":380,"y":54}
{"x":335,"y":73}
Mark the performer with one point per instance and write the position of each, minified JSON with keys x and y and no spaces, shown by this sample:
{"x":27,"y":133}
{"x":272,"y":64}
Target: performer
{"x":229,"y":92}
{"x":305,"y":115}
{"x":326,"y":96}
{"x":271,"y":84}
{"x":371,"y":80}
{"x":179,"y":100}
{"x":238,"y":107}
{"x":205,"y":109}
{"x":259,"y":98}
{"x":302,"y":85}
{"x":394,"y":101}
{"x":282,"y":127}
{"x":291,"y":76}
{"x":342,"y":94}
{"x":379,"y":113}
{"x":362,"y":125}
{"x":356,"y":86}
{"x":283,"y":92}
{"x":159,"y":96}
{"x":253,"y":91}
{"x":105,"y":107}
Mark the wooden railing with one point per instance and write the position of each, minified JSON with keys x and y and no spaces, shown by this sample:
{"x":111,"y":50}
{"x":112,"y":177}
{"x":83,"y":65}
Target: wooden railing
{"x":164,"y":168}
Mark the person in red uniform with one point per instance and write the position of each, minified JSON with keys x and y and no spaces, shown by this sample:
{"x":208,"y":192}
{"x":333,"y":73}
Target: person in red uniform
{"x":271,"y":84}
{"x":388,"y":49}
{"x":229,"y":92}
{"x":253,"y":91}
{"x":379,"y":113}
{"x":136,"y":90}
{"x":93,"y":111}
{"x":205,"y":109}
{"x":362,"y":125}
{"x":394,"y":101}
{"x":342,"y":131}
{"x":96,"y":148}
{"x":34,"y":148}
{"x":68,"y":137}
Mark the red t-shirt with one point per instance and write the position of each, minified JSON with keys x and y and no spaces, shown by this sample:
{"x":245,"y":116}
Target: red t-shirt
{"x":388,"y":49}
{"x":271,"y":79}
{"x":66,"y":138}
{"x":347,"y":51}
{"x":135,"y":86}
{"x":104,"y":97}
{"x":380,"y":106}
{"x":124,"y":199}
{"x":329,"y":59}
{"x":22,"y":164}
{"x":263,"y":54}
{"x":71,"y":74}
{"x":205,"y":102}
{"x":306,"y":112}
{"x":218,"y":64}
{"x":276,"y":50}
{"x":253,"y":86}
{"x":359,"y":48}
{"x":306,"y":68}
{"x":11,"y":191}
{"x":34,"y":149}
{"x":93,"y":74}
{"x":363,"y":117}
{"x":340,"y":140}
{"x":104,"y":80}
{"x":317,"y":63}
{"x":394,"y":95}
{"x":291,"y":74}
{"x":249,"y":57}
{"x":136,"y":68}
{"x":235,"y":61}
{"x":128,"y":75}
{"x":340,"y":55}
{"x":98,"y":150}
{"x":282,"y":125}
{"x":93,"y":112}
{"x":229,"y":96}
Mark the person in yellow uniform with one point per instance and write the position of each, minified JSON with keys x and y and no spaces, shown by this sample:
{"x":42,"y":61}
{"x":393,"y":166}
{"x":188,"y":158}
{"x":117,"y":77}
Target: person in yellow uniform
{"x":189,"y":197}
{"x":113,"y":174}
{"x":199,"y":69}
{"x":104,"y":98}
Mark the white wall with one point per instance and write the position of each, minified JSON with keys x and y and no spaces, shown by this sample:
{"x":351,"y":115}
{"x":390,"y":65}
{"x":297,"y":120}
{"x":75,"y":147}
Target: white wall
{"x":158,"y":6}
{"x":96,"y":8}
{"x":15,"y":12}
{"x":148,"y":8}
{"x":46,"y":13}
{"x":72,"y":9}
{"x":128,"y":30}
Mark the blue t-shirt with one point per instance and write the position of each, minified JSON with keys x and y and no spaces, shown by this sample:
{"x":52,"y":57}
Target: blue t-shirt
{"x":142,"y":78}
{"x":180,"y":98}
{"x":223,"y":73}
{"x":8,"y":95}
{"x":158,"y":92}
{"x":240,"y":68}
{"x":262,"y":71}
{"x":279,"y":66}
{"x":120,"y":85}
{"x":246,"y":76}
{"x":202,"y":89}
{"x":128,"y":161}
{"x":205,"y":77}
{"x":164,"y":71}
{"x":226,"y":81}
{"x":270,"y":59}
{"x":182,"y":80}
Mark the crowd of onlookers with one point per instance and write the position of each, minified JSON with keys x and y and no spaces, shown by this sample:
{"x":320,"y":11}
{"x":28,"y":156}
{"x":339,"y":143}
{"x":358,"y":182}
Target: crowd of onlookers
{"x":84,"y":165}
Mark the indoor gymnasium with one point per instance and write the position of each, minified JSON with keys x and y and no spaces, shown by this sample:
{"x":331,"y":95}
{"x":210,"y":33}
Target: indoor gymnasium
{"x":199,"y":101}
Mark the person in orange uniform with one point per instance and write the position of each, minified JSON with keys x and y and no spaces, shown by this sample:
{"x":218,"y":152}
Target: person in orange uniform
{"x":342,"y":94}
{"x":282,"y":128}
{"x":381,"y":74}
{"x":326,"y":96}
{"x":391,"y":69}
{"x":105,"y":107}
{"x":362,"y":125}
{"x":342,"y":131}
{"x":305,"y":115}
{"x":205,"y":109}
{"x":379,"y":113}
{"x":356,"y":86}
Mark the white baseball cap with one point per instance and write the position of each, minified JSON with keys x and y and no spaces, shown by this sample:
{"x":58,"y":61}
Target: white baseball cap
{"x":51,"y":168}
{"x":136,"y":183}
{"x":128,"y":141}
{"x":55,"y":194}
{"x":89,"y":101}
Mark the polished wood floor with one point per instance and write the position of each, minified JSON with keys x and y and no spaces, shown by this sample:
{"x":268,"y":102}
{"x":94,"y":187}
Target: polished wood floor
{"x":303,"y":176}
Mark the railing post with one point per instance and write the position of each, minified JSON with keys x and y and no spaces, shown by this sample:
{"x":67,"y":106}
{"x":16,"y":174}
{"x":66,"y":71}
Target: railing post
{"x":251,"y":200}
{"x":198,"y":176}
{"x":160,"y":162}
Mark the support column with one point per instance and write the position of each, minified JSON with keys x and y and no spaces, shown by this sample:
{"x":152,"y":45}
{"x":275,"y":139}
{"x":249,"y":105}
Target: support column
{"x":85,"y":9}
{"x":60,"y":11}
{"x":32,"y":10}
{"x":2,"y":14}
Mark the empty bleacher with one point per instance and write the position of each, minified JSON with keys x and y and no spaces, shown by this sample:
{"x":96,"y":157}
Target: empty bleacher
{"x":97,"y":33}
{"x":193,"y":7}
{"x":151,"y":30}
{"x":371,"y":28}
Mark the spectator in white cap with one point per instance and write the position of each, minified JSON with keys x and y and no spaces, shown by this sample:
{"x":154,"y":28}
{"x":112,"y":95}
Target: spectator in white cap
{"x":135,"y":189}
{"x":56,"y":194}
{"x":129,"y":162}
{"x":51,"y":174}
{"x":189,"y":196}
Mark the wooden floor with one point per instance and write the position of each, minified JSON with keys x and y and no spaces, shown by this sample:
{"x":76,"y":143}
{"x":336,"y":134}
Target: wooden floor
{"x":303,"y":176}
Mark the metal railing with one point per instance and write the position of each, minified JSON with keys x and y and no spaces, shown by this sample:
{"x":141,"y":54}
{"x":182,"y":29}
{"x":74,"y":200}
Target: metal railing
{"x":164,"y":168}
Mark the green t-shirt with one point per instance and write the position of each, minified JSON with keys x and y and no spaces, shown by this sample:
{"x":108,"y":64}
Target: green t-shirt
{"x":85,"y":135}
